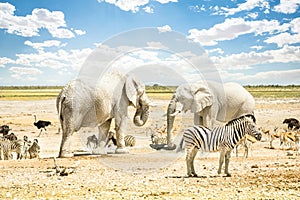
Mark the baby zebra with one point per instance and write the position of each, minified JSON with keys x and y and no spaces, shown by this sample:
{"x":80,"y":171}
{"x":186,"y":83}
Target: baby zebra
{"x":92,"y":140}
{"x":34,"y":149}
{"x":7,"y":147}
{"x":221,"y":139}
{"x":129,"y":141}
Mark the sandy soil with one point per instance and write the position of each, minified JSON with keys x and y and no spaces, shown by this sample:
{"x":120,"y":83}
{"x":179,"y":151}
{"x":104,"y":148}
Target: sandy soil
{"x":146,"y":173}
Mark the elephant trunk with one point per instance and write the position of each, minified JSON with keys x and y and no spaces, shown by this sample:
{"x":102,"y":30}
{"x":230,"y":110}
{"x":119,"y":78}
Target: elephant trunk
{"x":141,"y":115}
{"x":170,"y":120}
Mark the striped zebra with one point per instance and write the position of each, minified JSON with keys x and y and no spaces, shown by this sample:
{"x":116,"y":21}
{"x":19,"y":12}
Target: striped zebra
{"x":34,"y":149}
{"x":221,"y":139}
{"x":129,"y":141}
{"x":7,"y":147}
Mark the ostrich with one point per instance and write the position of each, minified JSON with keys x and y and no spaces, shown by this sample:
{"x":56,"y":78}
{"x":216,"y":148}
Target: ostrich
{"x":41,"y":124}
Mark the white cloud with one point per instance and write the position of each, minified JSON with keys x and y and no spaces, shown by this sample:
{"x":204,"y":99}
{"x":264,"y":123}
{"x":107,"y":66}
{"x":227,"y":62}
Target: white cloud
{"x":55,"y":60}
{"x":41,"y":46}
{"x":166,"y":1}
{"x":284,"y":77}
{"x":30,"y":25}
{"x":247,"y":6}
{"x":24,"y":73}
{"x":148,"y":9}
{"x":233,"y":28}
{"x":134,"y":5}
{"x":287,"y":6}
{"x":197,"y":8}
{"x":165,"y":28}
{"x":80,"y":32}
{"x":4,"y":61}
{"x":217,"y":50}
{"x":127,"y":5}
{"x":257,"y":47}
{"x":247,"y":60}
{"x":283,"y":39}
{"x":287,"y":37}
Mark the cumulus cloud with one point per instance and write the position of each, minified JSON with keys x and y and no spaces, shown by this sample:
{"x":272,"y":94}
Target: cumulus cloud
{"x":134,"y":6}
{"x":127,"y":5}
{"x":55,"y":60}
{"x":148,"y":9}
{"x":24,"y":73}
{"x":80,"y":32}
{"x":42,"y":45}
{"x":165,"y":28}
{"x":233,"y":28}
{"x":292,"y":37}
{"x":166,"y":1}
{"x":247,"y":6}
{"x":30,"y":25}
{"x":287,"y":6}
{"x":4,"y":61}
{"x":244,"y":60}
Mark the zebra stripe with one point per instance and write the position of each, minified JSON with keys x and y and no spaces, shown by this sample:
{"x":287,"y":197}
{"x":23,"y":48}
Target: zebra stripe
{"x":7,"y":147}
{"x":221,"y":139}
{"x":129,"y":141}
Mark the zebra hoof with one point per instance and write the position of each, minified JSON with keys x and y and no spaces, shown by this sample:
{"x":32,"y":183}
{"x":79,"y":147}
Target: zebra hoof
{"x":120,"y":150}
{"x":228,"y":175}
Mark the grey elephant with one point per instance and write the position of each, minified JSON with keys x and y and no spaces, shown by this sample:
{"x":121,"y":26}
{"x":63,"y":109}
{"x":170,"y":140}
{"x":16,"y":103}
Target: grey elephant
{"x":89,"y":103}
{"x":210,"y":102}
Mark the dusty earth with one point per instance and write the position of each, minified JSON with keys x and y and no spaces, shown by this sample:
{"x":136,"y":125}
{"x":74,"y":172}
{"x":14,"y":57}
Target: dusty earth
{"x":146,"y":173}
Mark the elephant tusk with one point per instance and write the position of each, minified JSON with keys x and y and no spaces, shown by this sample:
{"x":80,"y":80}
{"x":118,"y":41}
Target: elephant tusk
{"x":174,"y":113}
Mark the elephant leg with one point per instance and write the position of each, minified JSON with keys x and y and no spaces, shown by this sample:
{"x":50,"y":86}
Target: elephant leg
{"x":227,"y":158}
{"x":221,"y":161}
{"x":65,"y":145}
{"x":103,"y":132}
{"x":208,"y":120}
{"x":198,"y":120}
{"x":120,"y":129}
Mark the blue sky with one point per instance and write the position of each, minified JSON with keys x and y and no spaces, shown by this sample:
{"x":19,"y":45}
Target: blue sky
{"x":251,"y":42}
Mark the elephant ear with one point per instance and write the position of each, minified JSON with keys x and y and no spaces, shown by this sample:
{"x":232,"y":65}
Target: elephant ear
{"x":202,"y":99}
{"x":131,"y":87}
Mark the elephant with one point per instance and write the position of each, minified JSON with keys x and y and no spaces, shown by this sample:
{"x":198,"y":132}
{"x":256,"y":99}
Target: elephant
{"x":88,"y":103}
{"x":210,"y":102}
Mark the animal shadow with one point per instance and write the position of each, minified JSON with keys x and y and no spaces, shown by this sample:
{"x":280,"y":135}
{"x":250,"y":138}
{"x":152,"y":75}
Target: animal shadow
{"x":200,"y":177}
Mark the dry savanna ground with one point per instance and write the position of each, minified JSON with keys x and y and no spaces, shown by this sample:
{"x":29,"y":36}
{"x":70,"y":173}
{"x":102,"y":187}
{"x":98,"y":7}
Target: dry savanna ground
{"x":146,"y":173}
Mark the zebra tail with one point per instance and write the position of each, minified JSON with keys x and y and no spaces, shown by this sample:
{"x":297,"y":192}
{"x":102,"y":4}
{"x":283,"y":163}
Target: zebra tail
{"x":180,"y":146}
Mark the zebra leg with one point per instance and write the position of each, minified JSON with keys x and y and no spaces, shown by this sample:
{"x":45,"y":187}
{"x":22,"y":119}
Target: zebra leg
{"x":221,"y":161}
{"x":227,"y":158}
{"x":191,"y":153}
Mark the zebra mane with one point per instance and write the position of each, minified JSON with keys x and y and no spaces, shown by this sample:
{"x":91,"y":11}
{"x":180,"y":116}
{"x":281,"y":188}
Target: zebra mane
{"x":241,"y":117}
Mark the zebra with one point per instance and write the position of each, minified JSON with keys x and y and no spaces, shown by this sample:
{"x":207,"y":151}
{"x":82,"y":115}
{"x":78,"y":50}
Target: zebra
{"x":221,"y":139}
{"x":92,"y":140}
{"x":129,"y":141}
{"x":25,"y":147}
{"x":7,"y":147}
{"x":155,"y":139}
{"x":34,"y":149}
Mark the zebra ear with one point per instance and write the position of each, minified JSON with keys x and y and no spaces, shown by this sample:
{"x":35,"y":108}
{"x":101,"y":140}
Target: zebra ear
{"x":202,"y":99}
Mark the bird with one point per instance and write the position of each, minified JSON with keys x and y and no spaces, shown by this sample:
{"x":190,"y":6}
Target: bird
{"x":41,"y":124}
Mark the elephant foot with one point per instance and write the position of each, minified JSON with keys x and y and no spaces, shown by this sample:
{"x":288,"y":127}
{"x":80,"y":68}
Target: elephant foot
{"x":121,"y":150}
{"x":66,"y":154}
{"x":170,"y":147}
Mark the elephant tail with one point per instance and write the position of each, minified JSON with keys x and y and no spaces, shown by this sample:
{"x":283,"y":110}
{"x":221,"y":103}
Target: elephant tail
{"x":180,"y":146}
